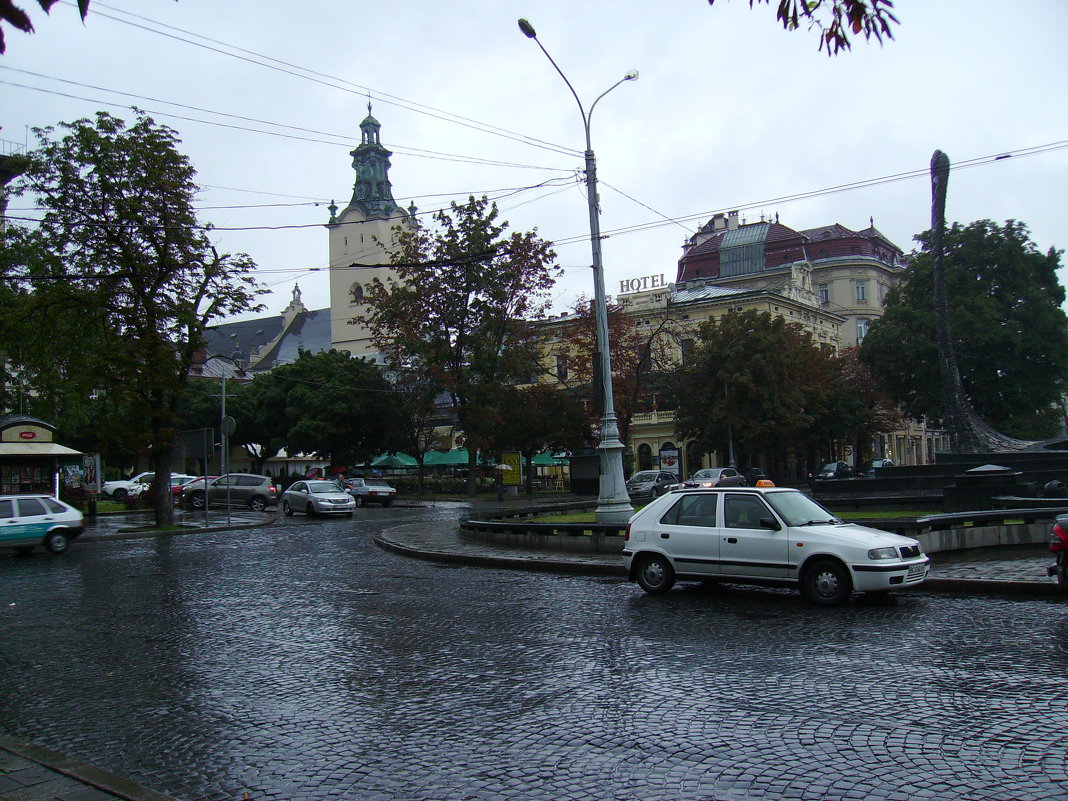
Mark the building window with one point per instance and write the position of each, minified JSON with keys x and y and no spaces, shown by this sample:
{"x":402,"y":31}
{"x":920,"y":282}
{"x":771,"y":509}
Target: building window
{"x":863,"y":324}
{"x":824,"y":292}
{"x":561,"y":369}
{"x":862,"y":290}
{"x":687,"y":350}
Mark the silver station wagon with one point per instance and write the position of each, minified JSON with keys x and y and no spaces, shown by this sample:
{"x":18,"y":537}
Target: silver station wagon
{"x":765,"y":536}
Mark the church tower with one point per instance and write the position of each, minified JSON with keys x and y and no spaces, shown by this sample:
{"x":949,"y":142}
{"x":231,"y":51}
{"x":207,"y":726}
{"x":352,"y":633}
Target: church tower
{"x":361,"y":237}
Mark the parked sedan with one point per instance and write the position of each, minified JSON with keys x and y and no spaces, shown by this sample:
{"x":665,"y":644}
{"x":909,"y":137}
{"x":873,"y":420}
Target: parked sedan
{"x":832,"y":470}
{"x":370,"y":490}
{"x":715,"y":477}
{"x":649,"y":484}
{"x":871,"y":467}
{"x":317,"y":498}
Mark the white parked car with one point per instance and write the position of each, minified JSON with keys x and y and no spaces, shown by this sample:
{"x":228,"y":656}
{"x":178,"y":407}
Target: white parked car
{"x":317,"y":498}
{"x":177,"y":480}
{"x":27,"y":521}
{"x":765,"y":536}
{"x":370,"y":490}
{"x":118,"y":490}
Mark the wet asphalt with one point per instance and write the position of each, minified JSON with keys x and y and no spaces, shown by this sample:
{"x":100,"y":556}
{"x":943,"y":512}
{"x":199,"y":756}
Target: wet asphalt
{"x":298,"y":659}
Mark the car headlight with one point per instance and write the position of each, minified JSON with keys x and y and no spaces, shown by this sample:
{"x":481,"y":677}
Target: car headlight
{"x":882,"y":553}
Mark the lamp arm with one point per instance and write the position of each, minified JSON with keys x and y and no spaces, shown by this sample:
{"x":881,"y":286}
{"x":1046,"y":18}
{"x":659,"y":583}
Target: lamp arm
{"x":582,"y":111}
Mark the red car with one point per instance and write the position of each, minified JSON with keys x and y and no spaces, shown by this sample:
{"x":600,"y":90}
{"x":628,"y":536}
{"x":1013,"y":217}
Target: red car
{"x":176,"y":488}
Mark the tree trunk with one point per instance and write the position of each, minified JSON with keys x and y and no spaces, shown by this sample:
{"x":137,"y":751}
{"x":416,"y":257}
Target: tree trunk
{"x":162,"y":500}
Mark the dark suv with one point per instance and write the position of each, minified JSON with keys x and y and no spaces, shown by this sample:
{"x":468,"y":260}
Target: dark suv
{"x":258,"y":492}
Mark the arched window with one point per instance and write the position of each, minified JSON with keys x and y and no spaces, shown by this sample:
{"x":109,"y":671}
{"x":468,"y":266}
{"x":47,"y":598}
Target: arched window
{"x":645,"y":457}
{"x":356,"y":292}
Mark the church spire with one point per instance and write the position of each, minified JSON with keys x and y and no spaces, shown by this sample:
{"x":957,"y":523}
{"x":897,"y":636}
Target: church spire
{"x":372,"y":193}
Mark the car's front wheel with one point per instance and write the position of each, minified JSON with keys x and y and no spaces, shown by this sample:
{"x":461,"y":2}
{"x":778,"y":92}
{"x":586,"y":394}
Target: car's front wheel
{"x":119,"y":495}
{"x":57,"y":541}
{"x":656,"y":575}
{"x":827,"y":583}
{"x":257,"y":504}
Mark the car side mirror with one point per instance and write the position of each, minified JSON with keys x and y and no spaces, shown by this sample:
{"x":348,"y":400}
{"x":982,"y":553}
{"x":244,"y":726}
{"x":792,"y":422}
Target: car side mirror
{"x":770,"y":523}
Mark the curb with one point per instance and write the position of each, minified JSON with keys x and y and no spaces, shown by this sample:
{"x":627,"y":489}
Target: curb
{"x":146,"y":533}
{"x":506,"y":562}
{"x":102,"y":780}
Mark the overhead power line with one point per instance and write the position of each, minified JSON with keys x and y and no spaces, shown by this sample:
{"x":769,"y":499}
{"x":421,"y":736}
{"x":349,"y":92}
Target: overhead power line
{"x":344,"y":140}
{"x":334,"y":82}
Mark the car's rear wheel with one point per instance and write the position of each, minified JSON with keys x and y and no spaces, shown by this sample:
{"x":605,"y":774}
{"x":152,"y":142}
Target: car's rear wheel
{"x":655,"y":575}
{"x":196,"y":500}
{"x":827,"y":583}
{"x":287,"y":508}
{"x":359,"y":500}
{"x":257,"y":504}
{"x":57,"y":541}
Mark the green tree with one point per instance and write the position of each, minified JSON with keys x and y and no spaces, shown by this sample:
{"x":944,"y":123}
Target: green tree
{"x":460,"y":309}
{"x":334,"y":406}
{"x":119,"y":280}
{"x":1009,"y":330}
{"x":535,"y":418}
{"x":752,"y":378}
{"x":641,"y":350}
{"x":836,"y":19}
{"x":417,"y":397}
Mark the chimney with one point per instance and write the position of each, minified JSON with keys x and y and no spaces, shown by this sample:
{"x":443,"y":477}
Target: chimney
{"x":732,"y":220}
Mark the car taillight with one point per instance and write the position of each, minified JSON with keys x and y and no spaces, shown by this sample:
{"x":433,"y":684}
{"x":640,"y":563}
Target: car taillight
{"x":626,"y":534}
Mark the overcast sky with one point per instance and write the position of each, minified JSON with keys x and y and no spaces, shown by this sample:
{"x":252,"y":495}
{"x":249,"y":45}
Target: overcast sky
{"x":729,"y":112}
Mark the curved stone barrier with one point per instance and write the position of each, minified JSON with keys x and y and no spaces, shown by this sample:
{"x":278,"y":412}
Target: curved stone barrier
{"x":955,"y":531}
{"x":518,"y":530}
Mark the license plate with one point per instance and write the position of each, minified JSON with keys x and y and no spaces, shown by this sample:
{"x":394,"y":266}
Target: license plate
{"x":917,"y":570}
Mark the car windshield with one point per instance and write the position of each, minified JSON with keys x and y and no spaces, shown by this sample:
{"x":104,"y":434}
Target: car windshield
{"x":830,"y":467}
{"x":708,"y":472}
{"x":322,"y":487}
{"x":797,"y":509}
{"x":648,"y":475}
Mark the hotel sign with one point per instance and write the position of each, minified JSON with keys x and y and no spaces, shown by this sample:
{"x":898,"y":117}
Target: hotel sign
{"x":642,"y":284}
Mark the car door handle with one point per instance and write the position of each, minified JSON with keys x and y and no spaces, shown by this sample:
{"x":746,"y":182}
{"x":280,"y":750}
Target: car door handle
{"x":732,"y":540}
{"x":664,"y":535}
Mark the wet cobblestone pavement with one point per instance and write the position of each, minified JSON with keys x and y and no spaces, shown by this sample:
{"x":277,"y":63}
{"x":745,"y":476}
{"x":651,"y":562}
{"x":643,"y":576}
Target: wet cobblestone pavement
{"x":300,"y":661}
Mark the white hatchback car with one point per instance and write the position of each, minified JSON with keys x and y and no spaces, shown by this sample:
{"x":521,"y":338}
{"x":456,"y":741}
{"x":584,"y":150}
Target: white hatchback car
{"x":27,"y":521}
{"x":765,"y":536}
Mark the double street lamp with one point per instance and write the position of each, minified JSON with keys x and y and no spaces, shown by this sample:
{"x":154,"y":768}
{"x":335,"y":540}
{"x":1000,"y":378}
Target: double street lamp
{"x":613,"y":502}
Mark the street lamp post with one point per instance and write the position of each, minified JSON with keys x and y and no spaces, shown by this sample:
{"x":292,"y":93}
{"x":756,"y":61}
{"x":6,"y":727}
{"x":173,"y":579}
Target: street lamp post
{"x":613,"y":502}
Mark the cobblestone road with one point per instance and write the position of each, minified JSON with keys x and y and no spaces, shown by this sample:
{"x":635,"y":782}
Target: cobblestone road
{"x":299,"y":661}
